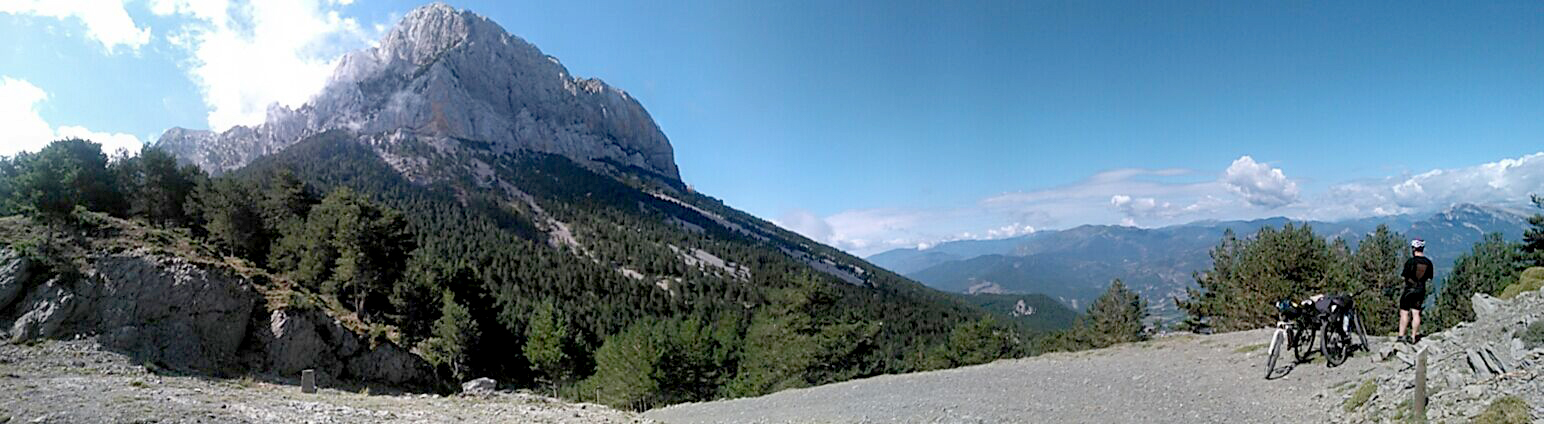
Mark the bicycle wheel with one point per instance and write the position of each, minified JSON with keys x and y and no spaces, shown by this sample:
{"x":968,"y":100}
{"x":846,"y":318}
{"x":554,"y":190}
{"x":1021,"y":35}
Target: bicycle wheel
{"x":1361,"y":332}
{"x":1302,"y":344}
{"x":1335,"y":343}
{"x":1278,"y":342}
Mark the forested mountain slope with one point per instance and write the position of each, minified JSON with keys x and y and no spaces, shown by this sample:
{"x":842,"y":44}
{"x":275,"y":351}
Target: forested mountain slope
{"x":549,"y":239}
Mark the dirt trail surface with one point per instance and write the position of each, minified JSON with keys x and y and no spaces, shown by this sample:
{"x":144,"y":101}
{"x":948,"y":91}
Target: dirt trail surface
{"x":1183,"y":378}
{"x":76,"y":382}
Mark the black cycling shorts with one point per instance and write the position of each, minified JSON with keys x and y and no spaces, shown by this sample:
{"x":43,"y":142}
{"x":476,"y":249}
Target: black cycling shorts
{"x":1413,"y":299}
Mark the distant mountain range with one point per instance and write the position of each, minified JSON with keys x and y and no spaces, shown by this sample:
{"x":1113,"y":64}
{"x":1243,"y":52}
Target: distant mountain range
{"x":1076,"y":264}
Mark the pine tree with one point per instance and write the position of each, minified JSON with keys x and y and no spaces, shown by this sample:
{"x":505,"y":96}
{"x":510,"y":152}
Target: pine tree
{"x":349,"y":247}
{"x":8,"y":196}
{"x":979,"y":342}
{"x":159,"y":188}
{"x":625,"y":367}
{"x":1250,"y":275}
{"x":455,"y":332}
{"x":224,"y":207}
{"x":1377,"y":265}
{"x":413,"y":298}
{"x":1116,"y":316}
{"x":1533,"y":237}
{"x":285,"y":200}
{"x":546,"y":343}
{"x":63,"y":175}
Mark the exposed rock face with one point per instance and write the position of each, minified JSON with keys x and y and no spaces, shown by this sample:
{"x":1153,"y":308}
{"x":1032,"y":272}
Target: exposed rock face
{"x":153,"y":308}
{"x":296,"y":340}
{"x":1469,"y":365}
{"x":453,"y":73}
{"x":14,"y":273}
{"x":184,"y":315}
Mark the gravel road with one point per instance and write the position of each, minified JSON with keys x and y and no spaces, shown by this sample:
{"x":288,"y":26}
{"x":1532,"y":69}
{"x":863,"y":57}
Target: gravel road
{"x":76,"y":382}
{"x":1181,"y":378}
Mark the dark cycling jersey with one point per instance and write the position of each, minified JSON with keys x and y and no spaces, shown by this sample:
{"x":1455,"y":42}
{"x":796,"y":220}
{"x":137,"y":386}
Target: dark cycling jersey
{"x":1418,"y":270}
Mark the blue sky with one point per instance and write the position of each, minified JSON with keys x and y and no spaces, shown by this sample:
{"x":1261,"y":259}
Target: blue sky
{"x":873,"y":125}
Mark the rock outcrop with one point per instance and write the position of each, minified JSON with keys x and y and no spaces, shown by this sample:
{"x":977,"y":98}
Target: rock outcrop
{"x":1468,"y":366}
{"x":183,"y":315}
{"x":455,"y":74}
{"x":293,"y":340}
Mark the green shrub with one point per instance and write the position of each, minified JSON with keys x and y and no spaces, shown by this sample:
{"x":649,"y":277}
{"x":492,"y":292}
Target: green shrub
{"x":1363,"y":393}
{"x":1533,"y":336}
{"x":980,"y":342}
{"x":1506,"y":410}
{"x":1531,"y":280}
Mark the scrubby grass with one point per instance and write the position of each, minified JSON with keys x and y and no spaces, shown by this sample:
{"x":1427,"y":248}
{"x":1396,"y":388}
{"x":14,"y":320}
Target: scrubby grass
{"x":1530,"y":280}
{"x":1363,"y":393}
{"x":1402,"y":410}
{"x":1533,"y":336}
{"x":1249,"y":348}
{"x":1506,"y":410}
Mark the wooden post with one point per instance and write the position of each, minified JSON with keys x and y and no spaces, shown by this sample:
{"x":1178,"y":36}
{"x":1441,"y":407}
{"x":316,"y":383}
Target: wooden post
{"x":1418,"y":405}
{"x":308,"y":381}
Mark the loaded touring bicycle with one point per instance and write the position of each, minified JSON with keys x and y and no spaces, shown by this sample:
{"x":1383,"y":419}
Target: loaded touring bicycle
{"x":1331,"y":320}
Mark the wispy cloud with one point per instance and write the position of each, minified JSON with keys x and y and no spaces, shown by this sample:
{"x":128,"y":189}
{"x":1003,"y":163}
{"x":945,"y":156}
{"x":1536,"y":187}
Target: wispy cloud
{"x":23,"y":129}
{"x":106,"y":21}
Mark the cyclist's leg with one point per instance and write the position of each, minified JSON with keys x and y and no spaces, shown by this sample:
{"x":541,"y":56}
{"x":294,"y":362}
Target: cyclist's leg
{"x":1404,"y":319}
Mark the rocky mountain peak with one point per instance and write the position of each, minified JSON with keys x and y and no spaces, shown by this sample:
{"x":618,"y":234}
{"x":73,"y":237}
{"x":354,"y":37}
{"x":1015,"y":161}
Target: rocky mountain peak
{"x":453,"y":73}
{"x":428,"y":31}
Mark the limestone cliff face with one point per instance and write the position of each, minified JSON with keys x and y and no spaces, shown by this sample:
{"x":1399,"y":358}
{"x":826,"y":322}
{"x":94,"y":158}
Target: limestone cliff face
{"x":185,"y":315}
{"x":453,"y":73}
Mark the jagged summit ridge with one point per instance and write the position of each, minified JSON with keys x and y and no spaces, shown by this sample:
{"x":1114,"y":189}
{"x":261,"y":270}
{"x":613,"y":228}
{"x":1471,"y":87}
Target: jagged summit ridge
{"x":453,"y":73}
{"x":427,"y":31}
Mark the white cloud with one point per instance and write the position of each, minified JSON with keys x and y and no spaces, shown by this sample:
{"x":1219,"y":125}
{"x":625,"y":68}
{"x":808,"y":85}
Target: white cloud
{"x":23,"y":129}
{"x":805,"y":223}
{"x":111,"y":142}
{"x":1129,"y":196}
{"x":1138,"y":206}
{"x":1009,"y":231}
{"x":106,"y":21}
{"x":247,"y":56}
{"x":1506,"y":181}
{"x":1260,"y":184}
{"x":862,"y":230}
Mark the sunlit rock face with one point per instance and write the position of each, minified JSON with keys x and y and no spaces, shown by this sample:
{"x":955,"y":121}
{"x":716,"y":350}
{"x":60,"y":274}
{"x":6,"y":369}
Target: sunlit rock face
{"x":452,"y":73}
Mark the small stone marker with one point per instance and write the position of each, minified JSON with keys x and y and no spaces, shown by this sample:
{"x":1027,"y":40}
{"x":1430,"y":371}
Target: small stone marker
{"x":1418,"y":405}
{"x":308,"y":381}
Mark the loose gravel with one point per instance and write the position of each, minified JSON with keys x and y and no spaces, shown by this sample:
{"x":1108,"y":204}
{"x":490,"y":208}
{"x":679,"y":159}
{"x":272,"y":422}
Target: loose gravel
{"x":77,"y":382}
{"x":1180,"y":378}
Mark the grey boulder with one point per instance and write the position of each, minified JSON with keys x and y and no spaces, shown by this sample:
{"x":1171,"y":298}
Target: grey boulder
{"x":480,"y":385}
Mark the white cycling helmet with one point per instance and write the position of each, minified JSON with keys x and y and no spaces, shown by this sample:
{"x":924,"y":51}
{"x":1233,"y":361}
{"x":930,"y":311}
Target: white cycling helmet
{"x":1417,"y":243}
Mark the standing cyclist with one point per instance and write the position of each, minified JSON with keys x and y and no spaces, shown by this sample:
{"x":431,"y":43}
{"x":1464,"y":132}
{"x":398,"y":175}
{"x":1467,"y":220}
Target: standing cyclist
{"x":1418,"y":270}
